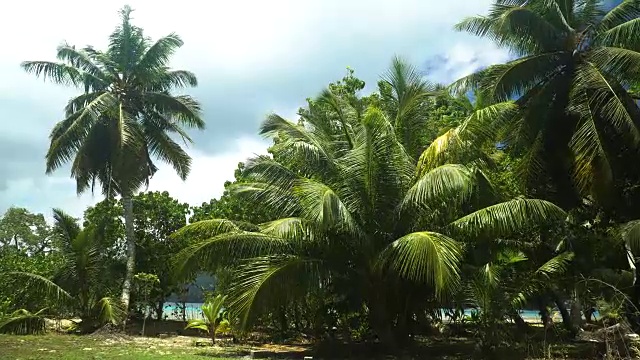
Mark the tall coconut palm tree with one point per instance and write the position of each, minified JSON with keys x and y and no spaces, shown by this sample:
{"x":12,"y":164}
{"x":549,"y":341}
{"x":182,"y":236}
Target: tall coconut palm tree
{"x":562,"y":105}
{"x":351,"y":213}
{"x":125,"y":117}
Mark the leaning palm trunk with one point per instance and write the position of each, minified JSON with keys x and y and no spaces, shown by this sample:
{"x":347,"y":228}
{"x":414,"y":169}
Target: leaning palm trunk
{"x":131,"y":251}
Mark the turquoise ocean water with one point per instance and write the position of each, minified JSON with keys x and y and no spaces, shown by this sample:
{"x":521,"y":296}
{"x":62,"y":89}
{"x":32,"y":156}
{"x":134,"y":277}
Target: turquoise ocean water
{"x":172,"y":311}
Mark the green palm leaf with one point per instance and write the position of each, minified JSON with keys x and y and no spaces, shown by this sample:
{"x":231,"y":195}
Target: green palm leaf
{"x":502,"y":82}
{"x":65,"y":226}
{"x":556,"y":265}
{"x":424,"y":257}
{"x":591,"y":159}
{"x":451,"y":184}
{"x":58,"y":73}
{"x":631,"y":235}
{"x":110,"y":310}
{"x":508,"y":218}
{"x":23,"y":322}
{"x":267,"y":281}
{"x":322,"y":206}
{"x":625,"y":11}
{"x":38,"y":286}
{"x":518,"y":27}
{"x":226,"y":249}
{"x":612,"y":102}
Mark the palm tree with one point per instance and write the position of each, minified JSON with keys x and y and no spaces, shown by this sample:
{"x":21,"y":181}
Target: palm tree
{"x":124,"y":118}
{"x":353,"y":215}
{"x":81,"y":284}
{"x":212,"y":311}
{"x":562,"y":105}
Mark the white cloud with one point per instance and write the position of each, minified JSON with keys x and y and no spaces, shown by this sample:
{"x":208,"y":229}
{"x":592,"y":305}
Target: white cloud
{"x":208,"y":172}
{"x":206,"y":181}
{"x":464,"y":58}
{"x":251,"y":57}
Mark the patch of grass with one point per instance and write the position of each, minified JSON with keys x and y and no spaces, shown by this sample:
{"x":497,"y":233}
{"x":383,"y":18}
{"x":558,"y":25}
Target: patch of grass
{"x":71,"y":347}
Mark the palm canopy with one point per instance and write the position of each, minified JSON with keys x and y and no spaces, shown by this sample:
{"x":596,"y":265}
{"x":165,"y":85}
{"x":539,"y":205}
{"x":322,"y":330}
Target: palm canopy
{"x":565,"y":106}
{"x":350,"y":211}
{"x":126,"y":115}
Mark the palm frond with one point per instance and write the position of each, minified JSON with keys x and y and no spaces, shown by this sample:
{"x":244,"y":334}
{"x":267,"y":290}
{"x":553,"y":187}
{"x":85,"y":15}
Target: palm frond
{"x":226,"y":249}
{"x":295,"y":229}
{"x":175,"y":79}
{"x":556,"y":265}
{"x":266,"y":169}
{"x":504,"y":81}
{"x":610,"y":100}
{"x":65,"y":226}
{"x":520,"y":28}
{"x":163,"y":147}
{"x":630,"y":232}
{"x":447,"y":184}
{"x":320,"y":204}
{"x":280,"y":201}
{"x":182,"y":108}
{"x":110,"y":310}
{"x":93,"y":76}
{"x":58,"y":73}
{"x":36,"y":285}
{"x":264,"y":282}
{"x":157,"y":56}
{"x":197,"y":324}
{"x":622,"y":36}
{"x":213,"y":307}
{"x":591,"y":159}
{"x":23,"y":322}
{"x":461,"y":145}
{"x":626,"y":11}
{"x":508,"y":218}
{"x":424,"y":257}
{"x":330,"y":99}
{"x":297,"y":141}
{"x":620,"y":63}
{"x":206,"y":229}
{"x":68,"y":135}
{"x":409,"y":87}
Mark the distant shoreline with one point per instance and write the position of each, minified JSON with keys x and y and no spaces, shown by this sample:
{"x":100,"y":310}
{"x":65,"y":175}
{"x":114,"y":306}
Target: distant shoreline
{"x":192,"y":311}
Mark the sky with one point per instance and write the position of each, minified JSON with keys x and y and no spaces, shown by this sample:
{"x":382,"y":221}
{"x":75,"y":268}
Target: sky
{"x":251,"y":58}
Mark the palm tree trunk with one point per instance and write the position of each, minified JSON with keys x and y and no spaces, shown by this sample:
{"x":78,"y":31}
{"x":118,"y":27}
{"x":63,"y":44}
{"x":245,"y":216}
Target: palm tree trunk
{"x":566,"y":316}
{"x":127,"y":203}
{"x":631,"y":309}
{"x":159,"y":309}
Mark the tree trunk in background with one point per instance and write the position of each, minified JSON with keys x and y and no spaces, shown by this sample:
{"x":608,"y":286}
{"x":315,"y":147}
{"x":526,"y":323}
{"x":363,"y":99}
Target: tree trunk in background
{"x":566,"y":316}
{"x":159,"y":309}
{"x":631,"y":309}
{"x":127,"y":203}
{"x":545,"y":316}
{"x":576,"y":311}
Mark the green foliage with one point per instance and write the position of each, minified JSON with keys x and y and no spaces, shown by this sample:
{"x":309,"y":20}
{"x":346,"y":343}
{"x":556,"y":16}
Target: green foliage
{"x":353,"y":213}
{"x":212,"y":312}
{"x":370,"y":213}
{"x":157,"y":216}
{"x":106,"y":218}
{"x":23,"y":322}
{"x":574,"y":118}
{"x":79,"y":285}
{"x":25,"y":231}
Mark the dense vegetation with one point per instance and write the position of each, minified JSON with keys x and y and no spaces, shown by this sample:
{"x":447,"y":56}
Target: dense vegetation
{"x":373,"y":218}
